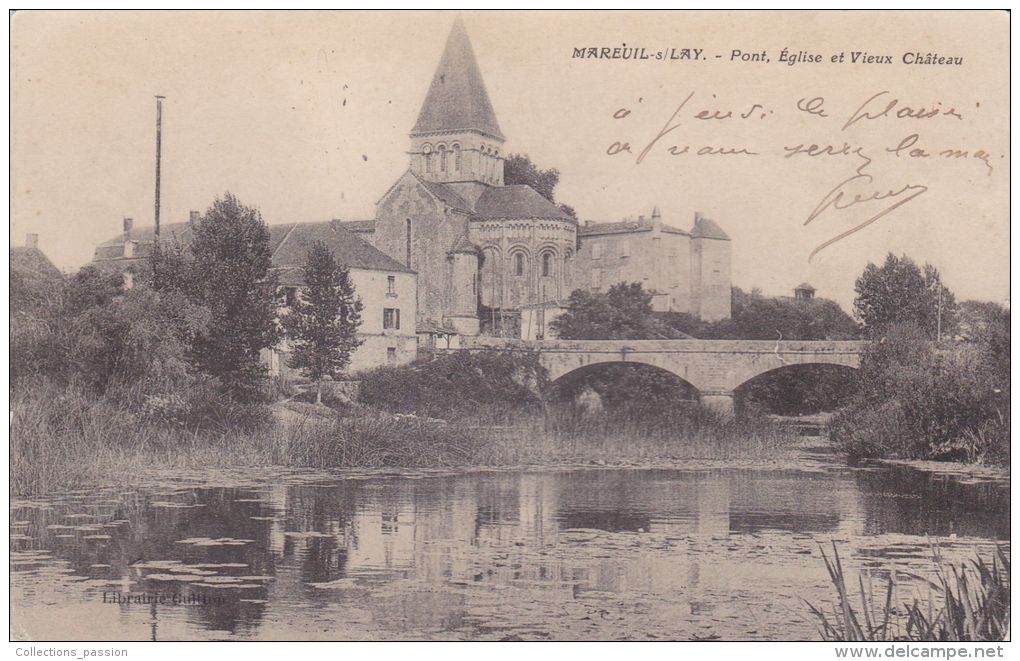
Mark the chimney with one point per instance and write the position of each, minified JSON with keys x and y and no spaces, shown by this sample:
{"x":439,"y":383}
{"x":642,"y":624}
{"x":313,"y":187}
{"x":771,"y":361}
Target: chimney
{"x":641,"y":219}
{"x":32,"y":241}
{"x":128,"y":224}
{"x":193,"y":218}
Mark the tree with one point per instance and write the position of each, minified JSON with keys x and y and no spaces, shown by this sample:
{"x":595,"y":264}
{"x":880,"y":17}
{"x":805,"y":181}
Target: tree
{"x":758,"y":317}
{"x":899,"y":291}
{"x":519,"y":169}
{"x":322,"y":324}
{"x":227,"y":268}
{"x":622,"y":313}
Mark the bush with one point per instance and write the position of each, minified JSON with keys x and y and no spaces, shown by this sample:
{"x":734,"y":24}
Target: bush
{"x":916,"y":400}
{"x":487,"y":385}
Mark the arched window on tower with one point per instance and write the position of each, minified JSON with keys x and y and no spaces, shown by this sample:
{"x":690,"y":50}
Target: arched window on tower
{"x":456,"y":157}
{"x":519,"y":264}
{"x":426,"y":151}
{"x":442,"y":158}
{"x":547,"y":265}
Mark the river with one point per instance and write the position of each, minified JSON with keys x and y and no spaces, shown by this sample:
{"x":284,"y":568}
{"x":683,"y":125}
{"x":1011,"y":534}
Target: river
{"x":588,"y":553}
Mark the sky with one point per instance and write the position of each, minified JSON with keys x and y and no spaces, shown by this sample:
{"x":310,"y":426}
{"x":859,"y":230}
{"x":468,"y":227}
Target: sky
{"x":305,"y":115}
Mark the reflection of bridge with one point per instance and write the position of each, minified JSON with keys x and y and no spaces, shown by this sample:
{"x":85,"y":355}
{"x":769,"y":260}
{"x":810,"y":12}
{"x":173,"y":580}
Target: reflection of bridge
{"x":715,"y":368}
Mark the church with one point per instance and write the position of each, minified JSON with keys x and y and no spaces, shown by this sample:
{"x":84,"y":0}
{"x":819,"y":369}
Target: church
{"x":485,"y":251}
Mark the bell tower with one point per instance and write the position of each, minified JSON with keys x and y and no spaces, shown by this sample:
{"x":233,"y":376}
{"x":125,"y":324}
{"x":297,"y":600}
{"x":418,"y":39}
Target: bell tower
{"x":457,"y":139}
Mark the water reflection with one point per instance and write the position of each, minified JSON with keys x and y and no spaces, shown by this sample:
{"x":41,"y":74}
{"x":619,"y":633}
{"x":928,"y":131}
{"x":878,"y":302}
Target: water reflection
{"x":589,"y":554}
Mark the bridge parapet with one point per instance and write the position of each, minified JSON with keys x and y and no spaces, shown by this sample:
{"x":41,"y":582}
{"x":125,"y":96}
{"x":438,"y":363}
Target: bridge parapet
{"x":670,"y":346}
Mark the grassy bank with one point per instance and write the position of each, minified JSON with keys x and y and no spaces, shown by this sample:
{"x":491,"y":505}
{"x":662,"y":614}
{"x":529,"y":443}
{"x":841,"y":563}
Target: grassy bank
{"x":64,"y":440}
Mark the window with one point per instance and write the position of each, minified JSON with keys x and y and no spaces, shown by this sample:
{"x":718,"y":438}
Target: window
{"x":391,"y":354}
{"x":407,"y":259}
{"x":391,"y":285}
{"x":547,"y":265}
{"x":625,"y":249}
{"x":442,"y":158}
{"x":596,"y":279}
{"x":391,"y":319}
{"x":596,"y":251}
{"x":519,"y":264}
{"x":456,"y":157}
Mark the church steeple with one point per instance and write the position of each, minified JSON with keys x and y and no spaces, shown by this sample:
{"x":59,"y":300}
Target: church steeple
{"x":457,"y":137}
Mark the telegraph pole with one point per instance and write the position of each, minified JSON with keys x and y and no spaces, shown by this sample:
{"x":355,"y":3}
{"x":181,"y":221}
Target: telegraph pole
{"x":159,"y":149}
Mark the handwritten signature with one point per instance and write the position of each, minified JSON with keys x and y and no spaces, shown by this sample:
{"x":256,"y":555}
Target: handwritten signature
{"x":840,"y":199}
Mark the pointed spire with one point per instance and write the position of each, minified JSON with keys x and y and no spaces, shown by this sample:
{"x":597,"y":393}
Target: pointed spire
{"x":655,"y":213}
{"x":457,"y":99}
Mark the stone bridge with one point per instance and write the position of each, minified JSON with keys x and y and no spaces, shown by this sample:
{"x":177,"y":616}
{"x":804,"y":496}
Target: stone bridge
{"x":715,"y":368}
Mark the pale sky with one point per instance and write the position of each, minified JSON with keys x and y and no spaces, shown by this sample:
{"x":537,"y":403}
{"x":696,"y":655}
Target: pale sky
{"x":305,"y":116}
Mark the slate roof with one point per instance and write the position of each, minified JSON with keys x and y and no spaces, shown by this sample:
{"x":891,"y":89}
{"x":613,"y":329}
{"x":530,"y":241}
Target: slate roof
{"x":463,"y":245}
{"x":457,"y":99}
{"x":520,"y":201}
{"x":708,"y":229}
{"x":290,"y":244}
{"x":358,"y":226}
{"x":624,"y":227}
{"x":449,"y":196}
{"x":33,"y":263}
{"x":179,"y":231}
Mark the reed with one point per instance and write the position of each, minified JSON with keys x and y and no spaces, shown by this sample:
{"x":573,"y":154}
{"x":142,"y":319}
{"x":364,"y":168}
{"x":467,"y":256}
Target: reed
{"x":969,"y":601}
{"x":65,"y":438}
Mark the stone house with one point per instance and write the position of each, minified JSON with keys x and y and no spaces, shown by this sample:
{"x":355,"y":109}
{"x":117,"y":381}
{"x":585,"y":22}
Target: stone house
{"x":387,"y":288}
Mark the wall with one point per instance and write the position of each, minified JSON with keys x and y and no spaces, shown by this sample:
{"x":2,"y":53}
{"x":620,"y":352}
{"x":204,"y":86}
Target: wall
{"x":373,"y":289}
{"x":660,"y":261}
{"x":502,"y":240}
{"x":711,"y":287}
{"x":434,"y":229}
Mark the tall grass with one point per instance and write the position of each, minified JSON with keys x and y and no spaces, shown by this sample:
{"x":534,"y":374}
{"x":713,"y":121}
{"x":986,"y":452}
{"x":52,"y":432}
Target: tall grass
{"x":64,"y":439}
{"x":967,"y":602}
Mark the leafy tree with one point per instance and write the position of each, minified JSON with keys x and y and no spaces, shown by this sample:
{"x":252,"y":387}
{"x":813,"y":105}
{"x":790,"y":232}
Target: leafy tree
{"x":322,"y":325}
{"x":622,"y":313}
{"x":900,"y":291}
{"x":758,"y":317}
{"x":519,"y":169}
{"x":227,"y":268}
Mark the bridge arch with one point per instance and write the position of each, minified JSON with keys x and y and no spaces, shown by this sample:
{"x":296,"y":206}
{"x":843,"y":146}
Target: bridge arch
{"x":797,"y":389}
{"x":622,"y":387}
{"x":716,"y":368}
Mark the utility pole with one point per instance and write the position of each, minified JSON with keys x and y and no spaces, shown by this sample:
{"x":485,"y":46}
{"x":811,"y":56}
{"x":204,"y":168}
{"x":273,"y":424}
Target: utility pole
{"x":159,"y":153}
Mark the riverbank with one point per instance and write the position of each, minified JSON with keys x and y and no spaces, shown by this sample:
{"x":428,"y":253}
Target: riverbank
{"x":99,"y":445}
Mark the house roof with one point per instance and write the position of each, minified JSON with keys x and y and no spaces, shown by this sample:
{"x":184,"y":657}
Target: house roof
{"x":708,"y":229}
{"x":463,"y":245}
{"x":457,"y":99}
{"x":357,"y":226}
{"x":805,"y":285}
{"x":449,"y":197}
{"x":624,"y":227}
{"x":179,"y":231}
{"x":31,"y":262}
{"x":290,"y":245}
{"x":520,"y":201}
